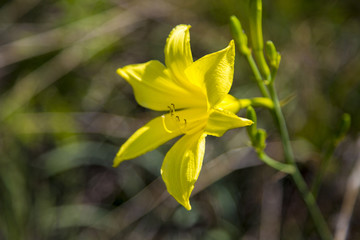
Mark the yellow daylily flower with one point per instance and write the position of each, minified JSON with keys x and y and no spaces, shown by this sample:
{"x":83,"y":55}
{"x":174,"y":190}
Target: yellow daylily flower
{"x":195,"y":95}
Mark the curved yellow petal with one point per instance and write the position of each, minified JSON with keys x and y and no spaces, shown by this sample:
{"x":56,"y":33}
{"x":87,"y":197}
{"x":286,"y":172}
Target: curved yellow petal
{"x":229,"y":103}
{"x":178,"y":52}
{"x":220,"y":121}
{"x":187,"y":121}
{"x":214,"y":72}
{"x":182,"y":165}
{"x":155,"y":89}
{"x":145,"y":139}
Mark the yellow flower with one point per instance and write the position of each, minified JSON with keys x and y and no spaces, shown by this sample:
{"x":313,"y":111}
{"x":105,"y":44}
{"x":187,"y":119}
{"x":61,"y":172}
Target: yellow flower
{"x":195,"y":95}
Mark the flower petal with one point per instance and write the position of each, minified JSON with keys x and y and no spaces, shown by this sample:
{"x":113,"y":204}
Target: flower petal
{"x":229,"y":103}
{"x":182,"y":165}
{"x":220,"y":121}
{"x":155,"y":89}
{"x":178,"y":52}
{"x":145,"y":139}
{"x":214,"y":72}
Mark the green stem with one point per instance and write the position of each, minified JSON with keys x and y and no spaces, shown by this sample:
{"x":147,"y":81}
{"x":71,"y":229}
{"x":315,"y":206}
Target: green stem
{"x":309,"y":199}
{"x":269,"y":92}
{"x":257,"y":75}
{"x":286,"y":168}
{"x":256,"y":102}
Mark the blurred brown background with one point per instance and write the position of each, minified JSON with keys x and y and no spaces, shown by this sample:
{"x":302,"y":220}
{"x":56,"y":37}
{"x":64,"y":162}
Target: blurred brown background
{"x":64,"y":113}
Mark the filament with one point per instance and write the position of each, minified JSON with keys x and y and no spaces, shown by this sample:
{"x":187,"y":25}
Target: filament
{"x":164,"y":124}
{"x":175,"y":119}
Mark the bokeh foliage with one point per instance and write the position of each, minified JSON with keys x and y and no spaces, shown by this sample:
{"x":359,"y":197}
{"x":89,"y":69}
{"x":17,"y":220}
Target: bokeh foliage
{"x":64,"y":112}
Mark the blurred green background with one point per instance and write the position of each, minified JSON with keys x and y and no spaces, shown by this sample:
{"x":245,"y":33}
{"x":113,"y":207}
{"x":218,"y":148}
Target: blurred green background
{"x":64,"y":113}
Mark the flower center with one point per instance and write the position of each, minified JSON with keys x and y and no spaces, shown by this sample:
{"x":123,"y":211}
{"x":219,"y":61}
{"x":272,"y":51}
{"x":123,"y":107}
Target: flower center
{"x":173,"y":121}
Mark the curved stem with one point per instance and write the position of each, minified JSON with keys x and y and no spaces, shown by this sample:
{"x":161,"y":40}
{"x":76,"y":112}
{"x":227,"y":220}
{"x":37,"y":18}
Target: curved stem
{"x":309,"y":199}
{"x":286,"y":168}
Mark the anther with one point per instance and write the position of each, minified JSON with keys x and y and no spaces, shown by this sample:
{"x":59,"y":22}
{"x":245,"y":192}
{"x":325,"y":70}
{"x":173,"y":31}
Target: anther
{"x":175,"y":120}
{"x":171,"y":111}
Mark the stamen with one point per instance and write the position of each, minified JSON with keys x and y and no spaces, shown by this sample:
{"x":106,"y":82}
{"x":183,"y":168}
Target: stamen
{"x":171,"y":111}
{"x":175,"y":121}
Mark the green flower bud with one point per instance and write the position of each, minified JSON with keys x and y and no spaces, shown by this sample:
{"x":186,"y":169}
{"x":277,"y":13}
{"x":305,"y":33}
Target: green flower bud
{"x":255,"y":22}
{"x":239,"y":35}
{"x":273,"y":56}
{"x":260,"y":139}
{"x":251,"y":130}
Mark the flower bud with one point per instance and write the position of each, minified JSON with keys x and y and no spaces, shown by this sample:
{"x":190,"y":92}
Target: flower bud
{"x":239,"y":35}
{"x":260,"y":139}
{"x":273,"y":56}
{"x":251,"y":130}
{"x":255,"y":22}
